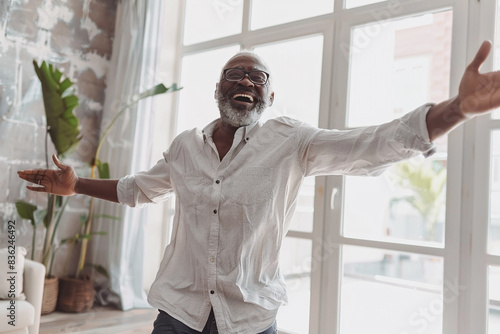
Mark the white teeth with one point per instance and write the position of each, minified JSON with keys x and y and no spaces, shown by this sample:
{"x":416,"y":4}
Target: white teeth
{"x":243,"y":95}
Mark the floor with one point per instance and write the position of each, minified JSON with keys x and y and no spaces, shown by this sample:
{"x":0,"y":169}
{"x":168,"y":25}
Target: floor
{"x":100,"y":320}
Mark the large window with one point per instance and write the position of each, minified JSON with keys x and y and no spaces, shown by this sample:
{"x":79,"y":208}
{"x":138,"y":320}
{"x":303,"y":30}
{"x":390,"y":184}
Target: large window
{"x":389,"y":254}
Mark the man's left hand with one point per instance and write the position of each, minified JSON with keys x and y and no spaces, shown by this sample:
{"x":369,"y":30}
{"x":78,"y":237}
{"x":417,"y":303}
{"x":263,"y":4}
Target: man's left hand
{"x":479,"y":92}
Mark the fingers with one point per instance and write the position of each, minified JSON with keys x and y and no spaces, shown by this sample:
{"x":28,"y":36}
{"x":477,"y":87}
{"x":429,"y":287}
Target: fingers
{"x":33,"y":178}
{"x":38,"y":189}
{"x":58,"y":162}
{"x":28,"y":175}
{"x":481,"y":56}
{"x":33,"y":175}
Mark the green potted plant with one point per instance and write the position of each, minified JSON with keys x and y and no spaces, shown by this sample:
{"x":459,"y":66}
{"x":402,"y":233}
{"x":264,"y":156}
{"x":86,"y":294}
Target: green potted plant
{"x":80,"y":288}
{"x":62,"y":127}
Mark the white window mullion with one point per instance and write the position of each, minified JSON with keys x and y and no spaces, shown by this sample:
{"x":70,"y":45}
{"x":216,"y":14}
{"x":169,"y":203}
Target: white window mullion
{"x":493,"y":260}
{"x":331,"y":266}
{"x":286,"y":31}
{"x":466,"y":230}
{"x":479,"y":226}
{"x":246,"y":16}
{"x":476,"y":186}
{"x":338,"y":6}
{"x":320,"y":254}
{"x":323,"y":251}
{"x":398,"y":247}
{"x":455,"y":314}
{"x":494,"y":124}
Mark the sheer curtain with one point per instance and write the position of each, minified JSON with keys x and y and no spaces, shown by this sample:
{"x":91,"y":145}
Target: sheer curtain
{"x":126,"y":149}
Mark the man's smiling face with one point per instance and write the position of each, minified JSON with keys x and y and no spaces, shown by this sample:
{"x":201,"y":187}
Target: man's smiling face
{"x":242,"y":102}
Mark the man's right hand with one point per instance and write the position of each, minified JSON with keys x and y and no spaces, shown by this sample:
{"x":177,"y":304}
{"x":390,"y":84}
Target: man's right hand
{"x":61,"y":181}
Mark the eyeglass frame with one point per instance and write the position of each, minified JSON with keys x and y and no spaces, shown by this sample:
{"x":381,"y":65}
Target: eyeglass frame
{"x":246,"y":74}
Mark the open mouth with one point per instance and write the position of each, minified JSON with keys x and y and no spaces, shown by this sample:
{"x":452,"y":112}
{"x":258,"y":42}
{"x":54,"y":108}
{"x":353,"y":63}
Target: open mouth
{"x":243,"y":98}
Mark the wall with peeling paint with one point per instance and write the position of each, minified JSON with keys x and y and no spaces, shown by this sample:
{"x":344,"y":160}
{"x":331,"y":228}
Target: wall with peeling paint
{"x":77,"y":37}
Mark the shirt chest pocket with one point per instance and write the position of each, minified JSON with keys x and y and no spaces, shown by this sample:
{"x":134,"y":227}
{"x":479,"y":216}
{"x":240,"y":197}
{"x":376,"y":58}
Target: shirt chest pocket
{"x":193,"y":188}
{"x":254,"y":185}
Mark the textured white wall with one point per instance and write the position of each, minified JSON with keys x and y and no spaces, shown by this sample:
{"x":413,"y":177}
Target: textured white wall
{"x":77,"y":37}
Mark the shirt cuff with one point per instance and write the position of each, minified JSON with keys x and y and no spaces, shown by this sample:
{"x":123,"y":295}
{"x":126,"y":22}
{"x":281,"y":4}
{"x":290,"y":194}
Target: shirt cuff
{"x":413,"y":131}
{"x":126,"y":189}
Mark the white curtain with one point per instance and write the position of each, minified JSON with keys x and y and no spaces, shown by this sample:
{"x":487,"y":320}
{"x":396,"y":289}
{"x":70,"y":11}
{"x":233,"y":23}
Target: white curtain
{"x":126,"y":150}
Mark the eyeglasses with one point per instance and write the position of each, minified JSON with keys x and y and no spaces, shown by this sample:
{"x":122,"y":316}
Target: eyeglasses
{"x":237,"y":74}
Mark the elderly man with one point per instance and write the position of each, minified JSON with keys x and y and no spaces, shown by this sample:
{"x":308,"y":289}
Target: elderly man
{"x":237,"y":182}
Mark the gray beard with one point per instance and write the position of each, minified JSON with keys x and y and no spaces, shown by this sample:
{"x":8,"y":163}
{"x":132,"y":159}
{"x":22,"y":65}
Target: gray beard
{"x":239,"y":116}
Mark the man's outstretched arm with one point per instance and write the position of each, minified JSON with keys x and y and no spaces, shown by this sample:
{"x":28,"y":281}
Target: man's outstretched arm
{"x":64,"y":181}
{"x":478,"y":93}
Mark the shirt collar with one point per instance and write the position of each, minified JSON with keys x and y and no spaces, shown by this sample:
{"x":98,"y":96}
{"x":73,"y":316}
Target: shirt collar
{"x":244,"y":132}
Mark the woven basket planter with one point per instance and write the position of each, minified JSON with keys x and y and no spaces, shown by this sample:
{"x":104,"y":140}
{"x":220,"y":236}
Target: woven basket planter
{"x":75,"y":295}
{"x":50,"y":292}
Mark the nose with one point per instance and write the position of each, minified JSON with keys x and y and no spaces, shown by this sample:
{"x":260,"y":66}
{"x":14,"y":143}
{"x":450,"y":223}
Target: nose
{"x":246,"y":81}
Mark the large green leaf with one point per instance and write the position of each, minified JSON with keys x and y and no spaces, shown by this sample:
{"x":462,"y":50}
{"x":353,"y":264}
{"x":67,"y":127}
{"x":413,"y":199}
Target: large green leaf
{"x":59,"y":102}
{"x":26,"y":211}
{"x":103,"y":168}
{"x":158,"y":89}
{"x":30,"y":211}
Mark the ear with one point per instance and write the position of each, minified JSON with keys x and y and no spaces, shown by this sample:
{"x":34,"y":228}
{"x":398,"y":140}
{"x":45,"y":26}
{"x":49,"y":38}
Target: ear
{"x":216,"y":88}
{"x":271,"y":99}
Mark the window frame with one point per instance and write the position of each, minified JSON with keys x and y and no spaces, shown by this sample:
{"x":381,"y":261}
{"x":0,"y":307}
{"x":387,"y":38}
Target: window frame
{"x":465,"y":262}
{"x":249,"y":39}
{"x":476,"y":183}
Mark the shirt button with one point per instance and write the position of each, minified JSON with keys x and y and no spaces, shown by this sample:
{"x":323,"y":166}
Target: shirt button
{"x":215,"y":211}
{"x":212,"y":259}
{"x":218,"y":181}
{"x":212,"y":292}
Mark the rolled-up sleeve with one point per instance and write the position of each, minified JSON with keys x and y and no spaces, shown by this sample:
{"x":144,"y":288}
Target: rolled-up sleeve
{"x":152,"y":186}
{"x":365,"y":151}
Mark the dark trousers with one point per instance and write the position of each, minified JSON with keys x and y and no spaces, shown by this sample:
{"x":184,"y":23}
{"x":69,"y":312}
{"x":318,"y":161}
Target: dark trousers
{"x":165,"y":324}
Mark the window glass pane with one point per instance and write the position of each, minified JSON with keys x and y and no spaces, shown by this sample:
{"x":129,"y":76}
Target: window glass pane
{"x":296,"y":81}
{"x":295,"y":263}
{"x":207,"y":20}
{"x":391,"y":292}
{"x":413,"y":67}
{"x":494,"y":228}
{"x":406,"y":203}
{"x":359,"y":3}
{"x":295,"y":77}
{"x":494,"y":300}
{"x":197,"y":105}
{"x":266,"y":13}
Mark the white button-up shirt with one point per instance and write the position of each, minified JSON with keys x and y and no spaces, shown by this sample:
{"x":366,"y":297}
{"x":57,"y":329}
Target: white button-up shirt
{"x":231,"y":216}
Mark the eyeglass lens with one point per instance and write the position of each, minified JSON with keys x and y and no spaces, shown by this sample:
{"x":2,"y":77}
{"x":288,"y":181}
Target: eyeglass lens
{"x":235,"y":74}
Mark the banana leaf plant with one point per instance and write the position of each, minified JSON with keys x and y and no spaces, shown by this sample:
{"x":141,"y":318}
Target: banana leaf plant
{"x":426,"y":183}
{"x":103,"y":167}
{"x":59,"y":101}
